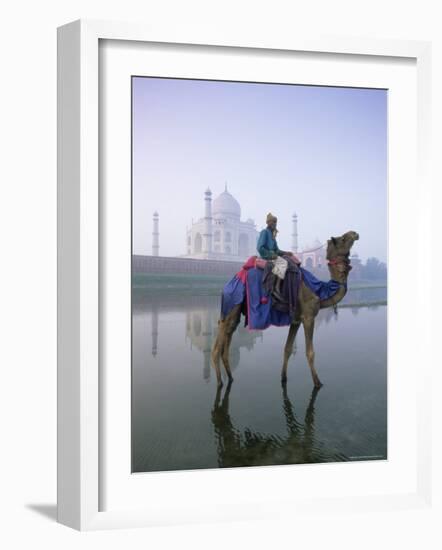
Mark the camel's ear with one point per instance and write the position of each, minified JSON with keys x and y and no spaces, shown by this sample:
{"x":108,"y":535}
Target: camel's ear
{"x":333,"y":239}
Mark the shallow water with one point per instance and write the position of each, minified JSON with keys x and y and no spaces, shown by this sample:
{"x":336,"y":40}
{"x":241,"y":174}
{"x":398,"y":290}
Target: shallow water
{"x":180,"y":420}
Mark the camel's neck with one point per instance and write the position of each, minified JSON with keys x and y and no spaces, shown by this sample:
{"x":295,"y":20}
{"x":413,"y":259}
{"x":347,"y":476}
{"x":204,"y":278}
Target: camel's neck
{"x":342,"y":290}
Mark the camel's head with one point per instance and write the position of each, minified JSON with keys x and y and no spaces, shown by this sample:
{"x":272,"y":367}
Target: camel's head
{"x":338,"y":248}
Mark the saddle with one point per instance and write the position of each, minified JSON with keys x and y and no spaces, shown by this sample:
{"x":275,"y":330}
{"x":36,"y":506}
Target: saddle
{"x":284,"y":292}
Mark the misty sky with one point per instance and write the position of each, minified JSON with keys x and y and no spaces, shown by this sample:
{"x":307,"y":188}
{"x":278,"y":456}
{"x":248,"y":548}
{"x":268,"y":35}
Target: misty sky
{"x":318,"y":151}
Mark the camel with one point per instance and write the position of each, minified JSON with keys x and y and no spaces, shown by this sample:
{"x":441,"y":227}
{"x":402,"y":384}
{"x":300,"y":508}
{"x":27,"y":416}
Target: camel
{"x":307,"y":308}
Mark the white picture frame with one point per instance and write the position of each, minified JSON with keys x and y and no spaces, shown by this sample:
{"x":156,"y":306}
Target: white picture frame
{"x":80,"y":295}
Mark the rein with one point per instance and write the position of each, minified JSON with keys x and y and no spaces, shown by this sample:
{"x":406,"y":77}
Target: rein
{"x":314,"y":249}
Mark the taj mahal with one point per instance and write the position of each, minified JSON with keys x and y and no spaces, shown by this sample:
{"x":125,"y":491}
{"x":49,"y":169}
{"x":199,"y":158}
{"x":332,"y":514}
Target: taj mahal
{"x":222,"y":235}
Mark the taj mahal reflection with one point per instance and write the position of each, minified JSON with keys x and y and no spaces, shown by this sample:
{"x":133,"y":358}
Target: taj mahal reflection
{"x":201,"y":324}
{"x":201,"y":328}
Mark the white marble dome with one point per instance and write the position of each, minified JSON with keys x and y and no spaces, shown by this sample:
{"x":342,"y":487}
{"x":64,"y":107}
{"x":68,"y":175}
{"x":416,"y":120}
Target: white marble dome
{"x":220,"y":234}
{"x":226,"y":205}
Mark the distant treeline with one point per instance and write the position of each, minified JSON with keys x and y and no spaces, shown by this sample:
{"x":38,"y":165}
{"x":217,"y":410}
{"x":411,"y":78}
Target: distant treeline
{"x":373,"y":269}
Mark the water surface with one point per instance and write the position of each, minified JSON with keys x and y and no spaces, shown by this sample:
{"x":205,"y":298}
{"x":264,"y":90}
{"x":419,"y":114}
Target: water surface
{"x":180,"y":420}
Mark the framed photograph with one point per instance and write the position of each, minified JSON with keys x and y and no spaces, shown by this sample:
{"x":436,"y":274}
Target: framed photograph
{"x":234,"y":222}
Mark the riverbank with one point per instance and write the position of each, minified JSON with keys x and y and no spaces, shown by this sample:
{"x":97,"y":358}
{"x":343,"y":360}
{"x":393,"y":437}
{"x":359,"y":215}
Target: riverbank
{"x":360,"y":293}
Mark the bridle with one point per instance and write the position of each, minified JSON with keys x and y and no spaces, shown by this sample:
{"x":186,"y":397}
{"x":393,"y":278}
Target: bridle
{"x":341,"y":260}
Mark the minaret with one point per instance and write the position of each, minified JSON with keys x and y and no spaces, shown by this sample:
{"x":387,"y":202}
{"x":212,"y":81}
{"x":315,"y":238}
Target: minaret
{"x":207,"y":236}
{"x":155,"y":235}
{"x":295,"y":233}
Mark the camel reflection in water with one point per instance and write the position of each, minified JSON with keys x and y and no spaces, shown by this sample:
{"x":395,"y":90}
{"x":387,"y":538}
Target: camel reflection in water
{"x":249,"y":448}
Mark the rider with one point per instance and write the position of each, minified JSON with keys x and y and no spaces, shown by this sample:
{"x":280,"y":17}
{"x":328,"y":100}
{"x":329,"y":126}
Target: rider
{"x":268,"y":250}
{"x":267,"y":246}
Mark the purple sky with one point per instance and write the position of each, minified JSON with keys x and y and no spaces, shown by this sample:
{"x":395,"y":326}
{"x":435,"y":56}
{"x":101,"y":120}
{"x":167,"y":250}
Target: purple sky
{"x":318,"y":151}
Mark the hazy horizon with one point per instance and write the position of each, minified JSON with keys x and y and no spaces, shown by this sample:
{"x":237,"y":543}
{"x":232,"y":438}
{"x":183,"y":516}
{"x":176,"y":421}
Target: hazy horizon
{"x":318,"y":151}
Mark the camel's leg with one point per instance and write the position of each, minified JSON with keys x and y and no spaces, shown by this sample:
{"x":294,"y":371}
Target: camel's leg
{"x":217,"y":350}
{"x":231,"y":324}
{"x":309,"y":325}
{"x":288,"y":349}
{"x":225,"y":356}
{"x":226,"y":328}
